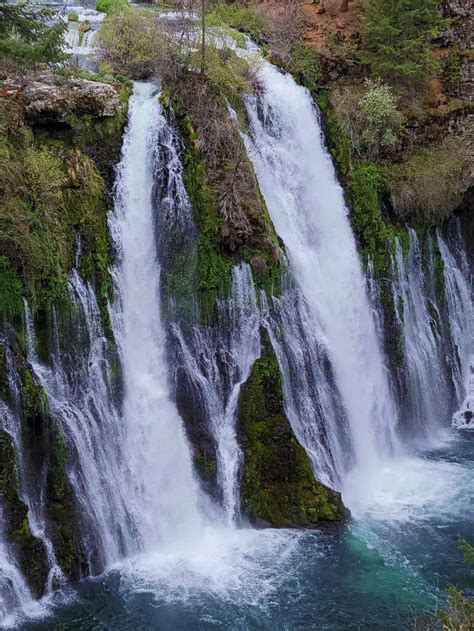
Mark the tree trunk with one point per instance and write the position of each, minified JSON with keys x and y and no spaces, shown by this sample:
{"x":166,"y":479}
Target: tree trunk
{"x":344,"y":6}
{"x":322,"y":8}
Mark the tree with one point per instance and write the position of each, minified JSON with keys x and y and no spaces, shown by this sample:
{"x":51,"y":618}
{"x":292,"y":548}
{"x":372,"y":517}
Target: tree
{"x":28,"y":37}
{"x":344,"y":6}
{"x":398,"y":36}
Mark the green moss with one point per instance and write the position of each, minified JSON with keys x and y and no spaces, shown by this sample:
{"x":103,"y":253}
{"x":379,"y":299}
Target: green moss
{"x":73,"y":17}
{"x":206,"y":467}
{"x":12,"y":289}
{"x":56,"y":185}
{"x":278,"y":484}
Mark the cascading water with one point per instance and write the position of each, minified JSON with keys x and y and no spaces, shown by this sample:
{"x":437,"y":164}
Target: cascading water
{"x":78,"y":385}
{"x":81,"y":33}
{"x":428,"y":392}
{"x":436,"y":325}
{"x":164,"y":491}
{"x":312,"y":403}
{"x":459,"y":316}
{"x":307,"y":206}
{"x":213,"y":360}
{"x":218,"y":361}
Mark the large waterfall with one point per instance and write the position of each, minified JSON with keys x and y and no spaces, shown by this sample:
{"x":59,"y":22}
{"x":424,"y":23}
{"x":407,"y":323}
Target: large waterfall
{"x":307,"y":206}
{"x":124,"y":414}
{"x":164,"y":494}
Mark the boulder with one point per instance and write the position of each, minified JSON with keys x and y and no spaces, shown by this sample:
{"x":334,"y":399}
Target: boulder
{"x":52,"y":98}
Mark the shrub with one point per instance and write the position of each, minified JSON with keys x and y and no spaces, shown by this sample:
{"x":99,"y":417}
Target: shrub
{"x":240,"y":18}
{"x":371,"y":118}
{"x":73,"y":17}
{"x":129,"y":42}
{"x":398,"y":36}
{"x":460,"y":613}
{"x":304,"y":64}
{"x":109,"y":6}
{"x":430,"y":185}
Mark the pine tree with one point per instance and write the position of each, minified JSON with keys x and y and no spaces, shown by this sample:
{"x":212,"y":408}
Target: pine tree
{"x":28,"y":36}
{"x":398,"y":36}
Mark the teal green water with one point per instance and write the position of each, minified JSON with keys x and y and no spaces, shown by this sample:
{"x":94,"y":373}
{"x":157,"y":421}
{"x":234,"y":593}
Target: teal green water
{"x":390,"y":563}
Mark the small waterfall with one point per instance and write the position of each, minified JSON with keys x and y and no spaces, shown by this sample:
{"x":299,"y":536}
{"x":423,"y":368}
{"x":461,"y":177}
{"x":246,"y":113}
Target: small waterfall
{"x":434,"y":310}
{"x":459,"y":315}
{"x":14,"y":591}
{"x":164,"y":491}
{"x":307,"y":207}
{"x":78,"y":385}
{"x":31,"y":491}
{"x":218,"y":360}
{"x":312,"y":403}
{"x":80,"y":35}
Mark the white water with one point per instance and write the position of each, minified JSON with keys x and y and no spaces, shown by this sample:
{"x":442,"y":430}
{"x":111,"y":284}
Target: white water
{"x":428,"y":390}
{"x":459,"y":309}
{"x":165,"y":492}
{"x":78,"y":386}
{"x":312,"y":403}
{"x":307,"y":207}
{"x":218,"y":360}
{"x":81,"y":44}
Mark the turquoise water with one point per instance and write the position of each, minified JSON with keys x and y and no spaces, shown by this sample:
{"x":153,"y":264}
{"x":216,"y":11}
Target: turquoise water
{"x":391,"y":562}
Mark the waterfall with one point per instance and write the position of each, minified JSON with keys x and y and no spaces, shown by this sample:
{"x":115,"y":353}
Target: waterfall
{"x":80,"y":41}
{"x":218,"y":360}
{"x":435,"y":317}
{"x":79,"y":390}
{"x":459,"y":315}
{"x":312,"y":403}
{"x":428,"y":392}
{"x":306,"y":203}
{"x":165,"y":492}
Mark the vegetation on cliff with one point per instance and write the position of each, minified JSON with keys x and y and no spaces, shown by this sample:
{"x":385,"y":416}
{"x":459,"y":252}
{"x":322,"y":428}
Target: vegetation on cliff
{"x":278,"y":485}
{"x":52,"y":197}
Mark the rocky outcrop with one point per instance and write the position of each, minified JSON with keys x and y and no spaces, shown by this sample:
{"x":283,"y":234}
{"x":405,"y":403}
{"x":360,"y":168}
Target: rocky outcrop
{"x":461,"y":28}
{"x":51,"y":98}
{"x":278,"y":485}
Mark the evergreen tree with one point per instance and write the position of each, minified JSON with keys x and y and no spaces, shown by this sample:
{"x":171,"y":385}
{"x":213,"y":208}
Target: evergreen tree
{"x":398,"y":36}
{"x":29,"y":36}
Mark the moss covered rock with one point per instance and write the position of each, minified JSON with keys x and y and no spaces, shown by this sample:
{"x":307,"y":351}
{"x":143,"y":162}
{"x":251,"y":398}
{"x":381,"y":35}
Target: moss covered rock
{"x":278,"y":485}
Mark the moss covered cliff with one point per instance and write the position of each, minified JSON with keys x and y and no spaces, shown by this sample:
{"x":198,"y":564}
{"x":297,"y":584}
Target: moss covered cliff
{"x":278,"y":485}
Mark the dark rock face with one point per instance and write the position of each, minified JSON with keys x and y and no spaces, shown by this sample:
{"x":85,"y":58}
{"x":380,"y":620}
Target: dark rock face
{"x":461,"y":29}
{"x":278,"y":485}
{"x":49,"y":98}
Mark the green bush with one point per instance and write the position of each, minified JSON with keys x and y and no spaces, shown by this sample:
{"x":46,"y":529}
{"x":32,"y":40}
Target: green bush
{"x":430,"y":185}
{"x":73,"y":17}
{"x":370,"y":118}
{"x":398,"y":36}
{"x":109,"y":6}
{"x":304,"y":64}
{"x":240,"y":18}
{"x":460,"y":613}
{"x":130,"y":43}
